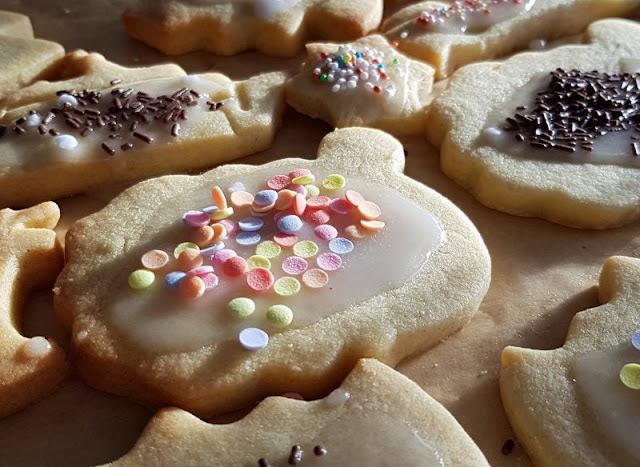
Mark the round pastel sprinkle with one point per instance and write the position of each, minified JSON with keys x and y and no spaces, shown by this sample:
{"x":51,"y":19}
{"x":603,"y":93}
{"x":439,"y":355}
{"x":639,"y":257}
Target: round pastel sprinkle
{"x":341,"y":245}
{"x":200,"y":271}
{"x":285,"y":240}
{"x":210,"y":209}
{"x":184,"y":246}
{"x":635,"y":339}
{"x":234,"y":267}
{"x":65,"y":142}
{"x":303,"y":179}
{"x":289,"y":224}
{"x":630,"y":375}
{"x":141,"y":279}
{"x":280,"y":316}
{"x":189,"y":259}
{"x":299,"y":173}
{"x":341,"y":206}
{"x":36,"y":346}
{"x":329,"y":261}
{"x":250,"y":224}
{"x":221,"y":256}
{"x":173,"y":279}
{"x":210,"y":280}
{"x":261,"y":212}
{"x":196,"y":218}
{"x":218,"y":197}
{"x":265,"y":197}
{"x":237,"y":186}
{"x":241,"y":199}
{"x":209,"y":252}
{"x":300,"y":189}
{"x":242,"y":307}
{"x":154,"y":259}
{"x":219,"y":232}
{"x":369,"y":210}
{"x":333,"y":182}
{"x":248,"y":238}
{"x":285,"y":199}
{"x":372,"y":225}
{"x":317,"y":202}
{"x":260,"y":279}
{"x":278,"y":182}
{"x":315,"y":278}
{"x":318,"y":216}
{"x":305,"y":249}
{"x":353,"y":197}
{"x":299,"y":204}
{"x":268,"y":249}
{"x":222,"y":214}
{"x":312,"y":190}
{"x":253,"y":339}
{"x":257,"y":261}
{"x":191,"y":288}
{"x":355,"y":232}
{"x":202,"y":236}
{"x":325,"y":232}
{"x":230,"y":226}
{"x":286,"y":286}
{"x":67,"y":99}
{"x":294,"y":265}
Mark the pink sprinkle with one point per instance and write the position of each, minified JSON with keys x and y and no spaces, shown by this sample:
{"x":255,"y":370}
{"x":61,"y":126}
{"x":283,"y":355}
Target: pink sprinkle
{"x":298,"y":189}
{"x":294,"y":265}
{"x":329,"y":261}
{"x":231,"y":226}
{"x":210,"y":280}
{"x":278,"y":182}
{"x":196,"y":218}
{"x":325,"y":232}
{"x":318,"y":216}
{"x":299,"y":173}
{"x":220,"y":256}
{"x":285,"y":240}
{"x":354,"y":197}
{"x":299,"y":204}
{"x":341,"y":206}
{"x":206,"y":269}
{"x":293,"y":395}
{"x":317,"y":202}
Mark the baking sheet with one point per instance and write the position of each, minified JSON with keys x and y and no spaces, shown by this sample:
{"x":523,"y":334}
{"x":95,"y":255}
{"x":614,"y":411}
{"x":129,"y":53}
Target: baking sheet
{"x":542,"y":275}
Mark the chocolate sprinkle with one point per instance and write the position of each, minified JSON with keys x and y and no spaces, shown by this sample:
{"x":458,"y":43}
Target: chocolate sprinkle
{"x":296,"y":455}
{"x":263,"y":463}
{"x":319,"y":450}
{"x":508,"y":446}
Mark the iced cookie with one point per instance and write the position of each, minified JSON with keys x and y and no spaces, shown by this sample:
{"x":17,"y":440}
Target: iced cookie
{"x":81,"y":70}
{"x":87,"y":138}
{"x":551,"y":134}
{"x":364,"y":83}
{"x":15,"y":25}
{"x":275,"y":27}
{"x":449,"y":35}
{"x":580,"y":404}
{"x":211,"y":292}
{"x":30,"y":257}
{"x":376,"y":417}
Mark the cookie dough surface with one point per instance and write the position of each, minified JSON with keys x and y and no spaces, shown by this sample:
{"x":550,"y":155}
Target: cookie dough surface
{"x":132,"y":135}
{"x":468,"y":122}
{"x":510,"y":26}
{"x":275,"y":27}
{"x":569,"y":406}
{"x":161,"y":363}
{"x":376,"y":417}
{"x":30,"y":257}
{"x":374,"y":86}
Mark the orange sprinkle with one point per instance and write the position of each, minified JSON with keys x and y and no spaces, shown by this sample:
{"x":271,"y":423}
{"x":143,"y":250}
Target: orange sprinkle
{"x":369,"y":210}
{"x":218,"y":198}
{"x":285,"y":240}
{"x":258,"y":208}
{"x":318,"y":216}
{"x":202,"y":236}
{"x":191,"y":287}
{"x":372,"y":225}
{"x":315,"y":278}
{"x":354,"y":197}
{"x":219,"y":233}
{"x":299,"y":204}
{"x":354,"y":232}
{"x":155,"y":259}
{"x":285,"y":199}
{"x":235,"y":266}
{"x":189,"y":259}
{"x":241,"y":199}
{"x":260,"y":279}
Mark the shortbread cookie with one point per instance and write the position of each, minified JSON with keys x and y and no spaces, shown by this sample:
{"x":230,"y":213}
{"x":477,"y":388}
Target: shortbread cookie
{"x":87,"y":138}
{"x":376,"y":417}
{"x":30,"y":257}
{"x":449,"y":35}
{"x":363,"y":83}
{"x":510,"y":134}
{"x":578,"y":405}
{"x":298,"y":269}
{"x":15,"y":25}
{"x":82,"y":70}
{"x":275,"y":27}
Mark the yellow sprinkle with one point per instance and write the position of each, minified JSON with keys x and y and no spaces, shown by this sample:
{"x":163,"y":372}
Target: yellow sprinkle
{"x":304,"y":179}
{"x":347,"y":58}
{"x":280,"y":315}
{"x":312,"y":191}
{"x":257,"y":261}
{"x":333,"y":182}
{"x":141,"y":279}
{"x":268,"y":249}
{"x":305,"y":249}
{"x":222,"y":214}
{"x":286,"y":286}
{"x":242,"y":307}
{"x":184,"y":246}
{"x":630,"y":375}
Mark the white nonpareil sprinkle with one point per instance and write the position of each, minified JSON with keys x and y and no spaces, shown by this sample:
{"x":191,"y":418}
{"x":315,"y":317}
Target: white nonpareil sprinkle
{"x":338,"y":397}
{"x":66,"y":142}
{"x":33,"y":120}
{"x":36,"y":347}
{"x":67,"y":99}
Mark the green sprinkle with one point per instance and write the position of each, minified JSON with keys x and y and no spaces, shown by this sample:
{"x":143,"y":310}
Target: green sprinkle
{"x":396,"y":61}
{"x":323,"y":77}
{"x":242,"y":307}
{"x":257,"y":261}
{"x":184,"y":246}
{"x":334,"y":182}
{"x":280,"y":316}
{"x":630,"y":375}
{"x":312,"y":191}
{"x":305,"y":249}
{"x":141,"y":279}
{"x":304,"y":179}
{"x":286,"y":286}
{"x":269,"y":249}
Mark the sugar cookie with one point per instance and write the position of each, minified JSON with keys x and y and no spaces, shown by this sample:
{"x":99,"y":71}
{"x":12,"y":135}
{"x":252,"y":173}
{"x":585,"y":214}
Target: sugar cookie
{"x":376,"y":417}
{"x":362,"y":83}
{"x":450,"y":35}
{"x":30,"y":257}
{"x":86,"y":138}
{"x":275,"y":27}
{"x":578,"y":405}
{"x":182,"y":340}
{"x":541,"y":155}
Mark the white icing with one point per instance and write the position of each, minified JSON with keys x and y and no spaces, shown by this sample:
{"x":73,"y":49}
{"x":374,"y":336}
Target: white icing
{"x":266,"y":9}
{"x":36,"y":347}
{"x":615,"y":409}
{"x":630,"y":65}
{"x":157,"y":319}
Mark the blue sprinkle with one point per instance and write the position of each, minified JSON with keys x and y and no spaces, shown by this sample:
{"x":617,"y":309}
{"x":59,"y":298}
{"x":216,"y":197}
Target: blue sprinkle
{"x":340,"y":58}
{"x":289,"y":224}
{"x":208,"y":252}
{"x":381,"y":66}
{"x":358,"y":54}
{"x":250,"y":224}
{"x":248,"y":238}
{"x":210,"y":209}
{"x":173,"y":279}
{"x":265,"y":197}
{"x":341,"y":245}
{"x":635,"y":339}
